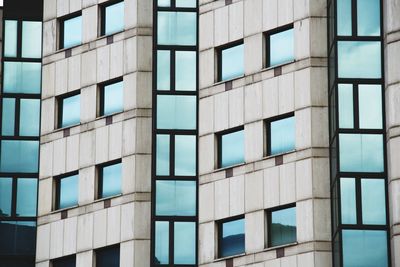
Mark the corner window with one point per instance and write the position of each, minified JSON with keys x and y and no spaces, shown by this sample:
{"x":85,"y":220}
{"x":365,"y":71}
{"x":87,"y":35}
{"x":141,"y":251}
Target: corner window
{"x":281,"y":226}
{"x":69,"y":261}
{"x":280,"y":46}
{"x":112,"y":18}
{"x":281,"y":135}
{"x":107,"y":257}
{"x":17,"y":238}
{"x":25,"y":190}
{"x":71,"y":31}
{"x":69,"y":110}
{"x":67,"y":191}
{"x":231,"y":148}
{"x":111,"y":98}
{"x":231,"y":61}
{"x":109,"y":179}
{"x":21,"y":155}
{"x":231,"y":237}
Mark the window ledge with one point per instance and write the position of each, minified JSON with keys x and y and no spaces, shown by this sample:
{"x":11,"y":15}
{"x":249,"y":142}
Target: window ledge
{"x":230,"y":80}
{"x":280,"y":154}
{"x":107,"y":198}
{"x":64,"y":209}
{"x":279,"y":65}
{"x":230,"y":257}
{"x":230,"y":167}
{"x":282,"y":246}
{"x":66,"y":127}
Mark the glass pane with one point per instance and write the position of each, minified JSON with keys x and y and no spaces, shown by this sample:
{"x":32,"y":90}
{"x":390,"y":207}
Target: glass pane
{"x":176,"y":112}
{"x":114,"y":18}
{"x":163,"y":70}
{"x":22,"y":77}
{"x":373,"y":201}
{"x":17,"y":238}
{"x":348,"y":200}
{"x":281,"y":47}
{"x":29,"y":117}
{"x":162,"y":243}
{"x":68,"y":191}
{"x":72,"y":32}
{"x":185,"y":71}
{"x":19,"y":156}
{"x":71,"y":111}
{"x":10,"y":38}
{"x":233,"y":237}
{"x":185,"y":3}
{"x":164,"y":3}
{"x":359,"y":59}
{"x":5,"y":196}
{"x":370,"y":105}
{"x":113,"y":98}
{"x":177,"y":28}
{"x":365,"y":248}
{"x":8,"y":117}
{"x":368,"y":17}
{"x":185,"y":155}
{"x":232,"y":149}
{"x":112,"y":176}
{"x":283,"y":227}
{"x":344,"y":17}
{"x":184,"y":243}
{"x":176,"y":198}
{"x":26,"y":197}
{"x":65,"y":262}
{"x":283,"y":135}
{"x":162,"y":160}
{"x":31,"y":39}
{"x":232,"y":62}
{"x":346,"y":116}
{"x":107,"y":257}
{"x":361,"y":152}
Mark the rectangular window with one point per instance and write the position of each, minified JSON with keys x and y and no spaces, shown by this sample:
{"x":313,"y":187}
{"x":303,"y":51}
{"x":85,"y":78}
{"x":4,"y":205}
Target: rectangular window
{"x":281,"y":135}
{"x":67,"y":191}
{"x":109,"y":179}
{"x":175,"y":198}
{"x":69,"y":261}
{"x":19,"y":156}
{"x":26,"y":197}
{"x":176,"y":28}
{"x":112,"y":18}
{"x":111,"y":98}
{"x":31,"y":39}
{"x":5,"y":196}
{"x":348,"y":200}
{"x":184,"y":243}
{"x":162,"y":242}
{"x":176,"y":112}
{"x":107,"y":257}
{"x":69,"y":110}
{"x":373,"y":201}
{"x":231,"y":148}
{"x":10,"y":38}
{"x":281,"y":226}
{"x":71,"y":31}
{"x":280,"y":46}
{"x":231,"y":61}
{"x":22,"y":77}
{"x":231,"y":237}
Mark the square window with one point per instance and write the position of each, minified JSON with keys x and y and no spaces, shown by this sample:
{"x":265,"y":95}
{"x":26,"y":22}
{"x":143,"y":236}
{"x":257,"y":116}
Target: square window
{"x":231,"y":61}
{"x":231,"y":148}
{"x":112,"y":18}
{"x":71,"y":31}
{"x":231,"y":237}
{"x":107,"y":257}
{"x":69,"y":110}
{"x":111,"y":98}
{"x":67,"y":191}
{"x":281,"y":135}
{"x":69,"y":261}
{"x":109,"y":179}
{"x":281,"y":226}
{"x":280,"y":46}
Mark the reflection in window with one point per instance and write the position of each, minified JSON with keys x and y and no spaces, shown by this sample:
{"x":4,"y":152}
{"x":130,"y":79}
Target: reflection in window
{"x":68,"y":191}
{"x":110,"y":180}
{"x":176,"y":112}
{"x":185,"y":3}
{"x":8,"y":117}
{"x":10,"y":38}
{"x":185,"y":70}
{"x":29,"y":117}
{"x":344,"y":17}
{"x":31,"y":39}
{"x":232,"y":62}
{"x":22,"y":77}
{"x":162,"y":158}
{"x":281,"y":47}
{"x":175,"y":198}
{"x":107,"y":257}
{"x":114,"y":18}
{"x":232,"y":236}
{"x":370,"y":105}
{"x":283,"y":227}
{"x":5,"y":196}
{"x":72,"y":32}
{"x":69,"y":261}
{"x":184,"y":243}
{"x":70,"y":108}
{"x":164,"y":3}
{"x":348,"y":200}
{"x":19,"y":156}
{"x":163,"y":69}
{"x":162,"y":243}
{"x":282,"y":135}
{"x":113,"y":100}
{"x":176,"y":28}
{"x":368,"y":17}
{"x":232,"y":149}
{"x":345,"y":92}
{"x":373,"y":201}
{"x":17,"y":238}
{"x":185,"y":155}
{"x":26,"y":197}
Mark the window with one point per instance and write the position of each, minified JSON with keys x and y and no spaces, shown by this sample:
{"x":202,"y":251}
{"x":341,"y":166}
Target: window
{"x":17,"y":238}
{"x":69,"y":110}
{"x":281,"y":226}
{"x":176,"y":28}
{"x":231,"y":61}
{"x":107,"y":257}
{"x":280,"y":46}
{"x":176,"y":112}
{"x":19,"y":156}
{"x":175,"y":198}
{"x":5,"y":196}
{"x":67,"y":191}
{"x":231,"y":237}
{"x":69,"y":261}
{"x":231,"y":148}
{"x":112,"y":18}
{"x":22,"y":77}
{"x":111,"y":98}
{"x":179,"y":3}
{"x":109,"y":179}
{"x":281,"y":135}
{"x":71,"y":31}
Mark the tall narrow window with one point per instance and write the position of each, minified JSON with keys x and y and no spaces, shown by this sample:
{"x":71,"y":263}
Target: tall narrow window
{"x":281,"y":135}
{"x":109,"y":180}
{"x":71,"y":31}
{"x":231,"y":237}
{"x":67,"y":191}
{"x":107,"y":257}
{"x":112,"y":18}
{"x":281,"y":226}
{"x":69,"y":110}
{"x":111,"y":98}
{"x":280,"y":46}
{"x":231,"y":61}
{"x":231,"y":148}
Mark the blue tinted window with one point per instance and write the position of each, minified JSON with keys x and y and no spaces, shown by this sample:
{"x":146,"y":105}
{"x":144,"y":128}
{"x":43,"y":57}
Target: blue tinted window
{"x":353,"y":62}
{"x":176,"y":198}
{"x":185,"y":155}
{"x":366,"y":248}
{"x":64,"y":262}
{"x":164,"y":3}
{"x":17,"y":238}
{"x":368,"y":17}
{"x":5,"y":196}
{"x":344,"y":17}
{"x":114,"y":20}
{"x":370,"y":106}
{"x":107,"y":257}
{"x":177,"y":28}
{"x":373,"y":201}
{"x":282,"y":135}
{"x":163,"y":70}
{"x":281,"y":47}
{"x":176,"y":112}
{"x":283,"y":227}
{"x":348,"y":200}
{"x":8,"y":116}
{"x":113,"y":98}
{"x":162,"y":158}
{"x":232,"y":234}
{"x":71,"y":111}
{"x":22,"y":77}
{"x":31,"y":39}
{"x":19,"y":156}
{"x":184,"y":243}
{"x":111,"y":180}
{"x":10,"y":38}
{"x":232,"y":60}
{"x":345,"y":92}
{"x":29,"y":117}
{"x":361,"y":152}
{"x":185,"y":3}
{"x":26,"y":196}
{"x":232,"y":148}
{"x":162,"y":243}
{"x":185,"y":71}
{"x":68,"y":191}
{"x":72,"y":32}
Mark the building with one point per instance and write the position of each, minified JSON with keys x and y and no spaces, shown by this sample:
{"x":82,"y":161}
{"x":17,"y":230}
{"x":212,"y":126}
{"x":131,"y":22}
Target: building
{"x":260,"y":133}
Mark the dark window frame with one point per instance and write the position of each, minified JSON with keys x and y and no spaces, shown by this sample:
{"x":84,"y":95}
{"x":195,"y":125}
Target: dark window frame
{"x":57,"y":181}
{"x":61,"y":259}
{"x":267,"y":36}
{"x":96,"y":251}
{"x":60,"y":105}
{"x":219,"y":51}
{"x":100,"y":177}
{"x":219,"y":145}
{"x":103,"y":17}
{"x":268,"y":130}
{"x":220,"y":224}
{"x":269,"y":222}
{"x":61,"y":22}
{"x":101,"y":100}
